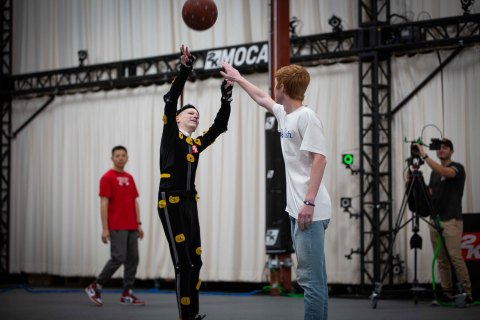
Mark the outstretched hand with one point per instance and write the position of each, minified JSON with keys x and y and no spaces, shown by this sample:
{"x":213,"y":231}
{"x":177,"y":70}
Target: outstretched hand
{"x":186,"y":57}
{"x":230,"y":73}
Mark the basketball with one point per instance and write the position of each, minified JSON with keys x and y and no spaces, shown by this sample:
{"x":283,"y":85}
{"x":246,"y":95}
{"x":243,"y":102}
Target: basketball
{"x":199,"y":14}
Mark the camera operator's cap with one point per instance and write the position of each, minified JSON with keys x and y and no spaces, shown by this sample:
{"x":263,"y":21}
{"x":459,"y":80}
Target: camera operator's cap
{"x":185,"y":107}
{"x":447,"y":142}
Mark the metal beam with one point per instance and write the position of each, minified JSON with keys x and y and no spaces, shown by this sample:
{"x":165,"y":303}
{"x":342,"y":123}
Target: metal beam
{"x":33,"y":116}
{"x":410,"y":37}
{"x":426,"y":80}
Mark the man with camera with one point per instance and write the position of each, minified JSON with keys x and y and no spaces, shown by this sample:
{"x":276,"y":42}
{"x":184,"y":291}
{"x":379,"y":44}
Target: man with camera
{"x":446,"y":186}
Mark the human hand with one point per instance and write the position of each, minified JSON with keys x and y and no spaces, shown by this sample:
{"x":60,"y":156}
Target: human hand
{"x":420,"y":149}
{"x":305,"y":217}
{"x":226,"y":88}
{"x":230,"y":73}
{"x":186,"y":57}
{"x":105,"y":236}
{"x":140,"y":232}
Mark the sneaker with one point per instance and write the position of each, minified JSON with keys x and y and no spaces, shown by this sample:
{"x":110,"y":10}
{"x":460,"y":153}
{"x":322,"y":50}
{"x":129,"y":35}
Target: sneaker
{"x":128,"y":298}
{"x":447,"y":296}
{"x":469,"y":298}
{"x":93,"y":294}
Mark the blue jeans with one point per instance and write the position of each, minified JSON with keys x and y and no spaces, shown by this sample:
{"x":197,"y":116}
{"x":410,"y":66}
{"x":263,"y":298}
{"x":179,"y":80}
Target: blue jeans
{"x":311,"y":269}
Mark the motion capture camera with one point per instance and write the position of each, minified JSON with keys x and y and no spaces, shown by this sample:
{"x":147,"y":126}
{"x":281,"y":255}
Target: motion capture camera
{"x":414,"y":151}
{"x":435,"y":144}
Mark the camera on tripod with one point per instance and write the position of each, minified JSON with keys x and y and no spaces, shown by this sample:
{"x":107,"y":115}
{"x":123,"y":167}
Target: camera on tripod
{"x":414,"y":160}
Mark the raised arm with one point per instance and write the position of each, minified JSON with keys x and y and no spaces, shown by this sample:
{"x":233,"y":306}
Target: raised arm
{"x":186,"y":60}
{"x":220,"y":123}
{"x":259,"y":96}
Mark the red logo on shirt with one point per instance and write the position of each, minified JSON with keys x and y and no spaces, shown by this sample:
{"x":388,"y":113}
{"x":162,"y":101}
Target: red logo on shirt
{"x":123,"y":181}
{"x":194,"y":149}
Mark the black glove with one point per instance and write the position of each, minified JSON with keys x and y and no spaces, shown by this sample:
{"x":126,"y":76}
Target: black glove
{"x":190,"y":61}
{"x":226,"y":92}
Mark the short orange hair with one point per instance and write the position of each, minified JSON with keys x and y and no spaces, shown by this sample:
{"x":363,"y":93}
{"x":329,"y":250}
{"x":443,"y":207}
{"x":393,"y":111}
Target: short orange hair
{"x":295,"y":80}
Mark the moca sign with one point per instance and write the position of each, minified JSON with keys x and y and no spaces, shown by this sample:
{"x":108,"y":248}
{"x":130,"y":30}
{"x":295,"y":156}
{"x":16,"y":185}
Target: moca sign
{"x":240,"y":56}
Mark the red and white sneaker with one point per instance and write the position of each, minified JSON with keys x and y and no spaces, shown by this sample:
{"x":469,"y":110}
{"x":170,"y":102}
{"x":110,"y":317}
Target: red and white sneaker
{"x":93,"y":294}
{"x":128,"y":298}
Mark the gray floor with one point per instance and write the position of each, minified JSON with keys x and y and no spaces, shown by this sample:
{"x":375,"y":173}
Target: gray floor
{"x":73,"y":304}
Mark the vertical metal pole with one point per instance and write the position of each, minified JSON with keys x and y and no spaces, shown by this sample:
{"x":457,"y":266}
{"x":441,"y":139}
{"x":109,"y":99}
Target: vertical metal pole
{"x":375,"y":143}
{"x":279,"y":56}
{"x":6,"y":129}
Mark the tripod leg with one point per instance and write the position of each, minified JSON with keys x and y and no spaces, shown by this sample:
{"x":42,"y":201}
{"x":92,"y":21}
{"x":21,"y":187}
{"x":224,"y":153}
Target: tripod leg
{"x":376,"y":294}
{"x":398,"y":225}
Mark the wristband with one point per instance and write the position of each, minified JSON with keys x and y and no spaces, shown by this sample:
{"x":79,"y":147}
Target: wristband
{"x":425,"y":157}
{"x":308,"y":203}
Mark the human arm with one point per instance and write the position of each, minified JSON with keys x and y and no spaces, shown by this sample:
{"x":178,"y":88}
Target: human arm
{"x":139,"y":221}
{"x":447,"y":172}
{"x":104,"y":216}
{"x":261,"y":97}
{"x":305,"y":215}
{"x":186,"y":66}
{"x":220,"y":124}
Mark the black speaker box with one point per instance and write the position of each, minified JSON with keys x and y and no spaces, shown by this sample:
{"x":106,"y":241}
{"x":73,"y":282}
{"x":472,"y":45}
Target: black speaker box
{"x":277,"y":235}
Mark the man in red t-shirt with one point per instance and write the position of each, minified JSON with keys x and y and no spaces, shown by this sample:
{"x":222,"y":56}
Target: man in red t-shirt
{"x":121,"y":225}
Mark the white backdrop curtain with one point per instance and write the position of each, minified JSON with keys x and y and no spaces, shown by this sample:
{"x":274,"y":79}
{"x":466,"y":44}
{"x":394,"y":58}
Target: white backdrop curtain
{"x":58,"y":159}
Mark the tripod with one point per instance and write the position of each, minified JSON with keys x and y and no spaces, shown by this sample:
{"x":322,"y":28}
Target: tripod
{"x":418,"y":200}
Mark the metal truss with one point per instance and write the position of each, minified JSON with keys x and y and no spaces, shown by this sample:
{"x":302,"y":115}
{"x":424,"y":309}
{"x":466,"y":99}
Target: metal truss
{"x":375,"y":142}
{"x":410,"y":37}
{"x":375,"y":165}
{"x":378,"y":41}
{"x":6,"y":118}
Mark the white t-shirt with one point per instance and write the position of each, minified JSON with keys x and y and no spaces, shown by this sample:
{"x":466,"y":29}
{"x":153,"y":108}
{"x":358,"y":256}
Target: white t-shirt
{"x":301,"y":132}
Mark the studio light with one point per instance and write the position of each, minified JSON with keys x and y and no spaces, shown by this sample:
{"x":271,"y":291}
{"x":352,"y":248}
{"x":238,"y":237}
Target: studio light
{"x":347,"y":159}
{"x":336,"y":23}
{"x":467,"y":6}
{"x":293,"y":24}
{"x":345,"y":203}
{"x":82,"y":56}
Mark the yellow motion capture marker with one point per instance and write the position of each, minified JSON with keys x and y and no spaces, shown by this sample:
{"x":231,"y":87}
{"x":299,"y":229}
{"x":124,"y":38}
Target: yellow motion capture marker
{"x":180,"y":238}
{"x":198,"y":251}
{"x":190,"y":158}
{"x":162,"y":204}
{"x":173,"y":199}
{"x":185,"y":301}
